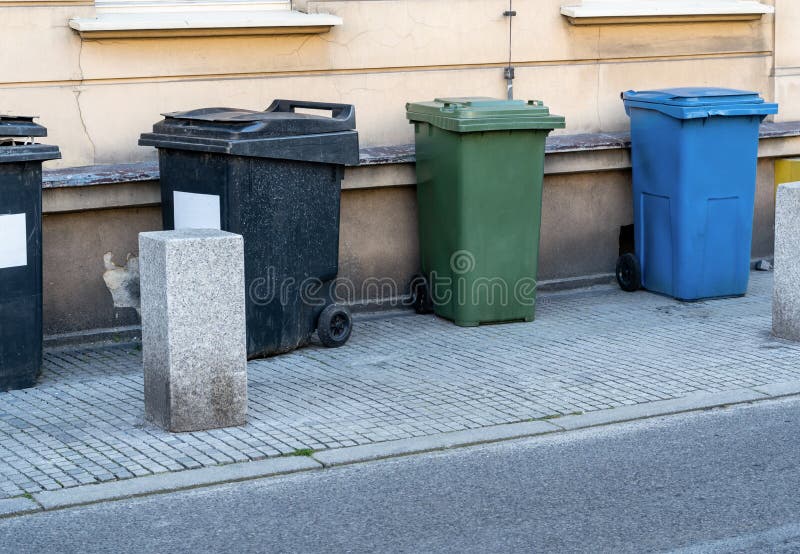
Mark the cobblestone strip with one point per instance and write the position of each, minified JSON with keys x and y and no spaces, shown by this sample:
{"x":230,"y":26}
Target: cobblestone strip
{"x":398,"y":378}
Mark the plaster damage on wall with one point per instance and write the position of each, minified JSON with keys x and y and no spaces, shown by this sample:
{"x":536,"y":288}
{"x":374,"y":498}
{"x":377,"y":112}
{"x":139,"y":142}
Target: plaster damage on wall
{"x":123,"y":281}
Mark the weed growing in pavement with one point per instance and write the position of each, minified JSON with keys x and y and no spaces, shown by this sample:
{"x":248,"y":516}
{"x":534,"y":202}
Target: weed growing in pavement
{"x":302,"y":452}
{"x":552,"y":416}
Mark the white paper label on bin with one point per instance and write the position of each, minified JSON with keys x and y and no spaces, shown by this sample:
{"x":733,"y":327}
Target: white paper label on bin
{"x":196,"y":211}
{"x":13,"y":241}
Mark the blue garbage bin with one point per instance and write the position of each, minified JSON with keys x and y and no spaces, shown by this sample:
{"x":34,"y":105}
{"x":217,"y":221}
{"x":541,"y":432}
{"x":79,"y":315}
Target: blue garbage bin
{"x":694,"y":154}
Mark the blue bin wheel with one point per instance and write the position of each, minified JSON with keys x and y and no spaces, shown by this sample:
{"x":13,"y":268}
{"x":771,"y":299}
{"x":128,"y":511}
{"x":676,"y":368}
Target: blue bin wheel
{"x":421,"y":295}
{"x":629,"y":273}
{"x":334,"y":326}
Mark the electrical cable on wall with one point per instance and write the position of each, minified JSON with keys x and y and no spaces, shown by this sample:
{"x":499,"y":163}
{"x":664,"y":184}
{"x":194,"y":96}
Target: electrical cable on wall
{"x":509,"y":70}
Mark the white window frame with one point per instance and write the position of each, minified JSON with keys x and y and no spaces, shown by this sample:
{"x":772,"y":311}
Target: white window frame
{"x":183,"y":6}
{"x":599,"y":12}
{"x":198,"y":18}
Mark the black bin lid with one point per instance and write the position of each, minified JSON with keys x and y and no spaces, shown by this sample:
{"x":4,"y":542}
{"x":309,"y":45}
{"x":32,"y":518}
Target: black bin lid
{"x":278,"y":132}
{"x":279,"y":120}
{"x":20,"y":126}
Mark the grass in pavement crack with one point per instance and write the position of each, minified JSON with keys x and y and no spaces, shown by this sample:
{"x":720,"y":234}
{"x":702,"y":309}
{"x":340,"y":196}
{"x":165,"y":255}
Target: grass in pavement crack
{"x":302,"y":452}
{"x":553,"y":416}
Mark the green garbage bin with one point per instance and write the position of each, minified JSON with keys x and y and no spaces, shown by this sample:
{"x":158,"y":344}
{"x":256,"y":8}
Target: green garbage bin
{"x":480,"y":164}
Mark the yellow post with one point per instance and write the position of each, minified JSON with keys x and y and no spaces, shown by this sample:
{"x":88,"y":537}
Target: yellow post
{"x":786,"y":171}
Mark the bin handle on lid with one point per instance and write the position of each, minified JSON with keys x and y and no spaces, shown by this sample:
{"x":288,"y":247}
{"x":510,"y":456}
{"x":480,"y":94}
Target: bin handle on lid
{"x":343,"y":112}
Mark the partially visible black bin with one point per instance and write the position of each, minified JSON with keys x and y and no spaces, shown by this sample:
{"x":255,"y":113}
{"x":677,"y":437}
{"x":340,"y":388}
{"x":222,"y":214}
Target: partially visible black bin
{"x":21,"y":250}
{"x":273,"y":177}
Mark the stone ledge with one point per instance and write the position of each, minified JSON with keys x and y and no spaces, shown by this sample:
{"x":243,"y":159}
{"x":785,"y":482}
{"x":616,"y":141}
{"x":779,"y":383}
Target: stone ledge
{"x":779,"y":130}
{"x":381,"y":155}
{"x":92,"y":175}
{"x":136,"y":184}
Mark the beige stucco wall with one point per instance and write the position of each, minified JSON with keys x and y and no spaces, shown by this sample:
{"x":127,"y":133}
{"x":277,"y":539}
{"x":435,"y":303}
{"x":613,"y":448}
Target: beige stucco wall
{"x":97,"y":96}
{"x":378,"y":238}
{"x":581,"y":219}
{"x":787,"y":59}
{"x":75,"y":296}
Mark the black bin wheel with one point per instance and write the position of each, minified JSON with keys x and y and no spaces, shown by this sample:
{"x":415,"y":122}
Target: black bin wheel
{"x":629,"y":273}
{"x":421,"y":299}
{"x":334,"y":326}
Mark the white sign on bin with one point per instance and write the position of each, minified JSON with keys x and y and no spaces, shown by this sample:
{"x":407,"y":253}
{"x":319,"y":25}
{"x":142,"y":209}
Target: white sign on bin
{"x":196,"y":211}
{"x":13,"y":241}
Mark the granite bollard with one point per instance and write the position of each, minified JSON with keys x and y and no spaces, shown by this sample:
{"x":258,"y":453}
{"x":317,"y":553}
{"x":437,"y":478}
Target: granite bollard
{"x":786,"y":292}
{"x":194,"y":341}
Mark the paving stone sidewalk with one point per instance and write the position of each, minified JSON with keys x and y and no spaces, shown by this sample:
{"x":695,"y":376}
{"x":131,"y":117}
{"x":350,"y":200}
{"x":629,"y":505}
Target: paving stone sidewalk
{"x":399,"y":377}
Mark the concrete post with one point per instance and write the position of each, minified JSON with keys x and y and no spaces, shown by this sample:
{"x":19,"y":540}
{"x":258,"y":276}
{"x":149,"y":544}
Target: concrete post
{"x":786,"y":295}
{"x":193,"y":329}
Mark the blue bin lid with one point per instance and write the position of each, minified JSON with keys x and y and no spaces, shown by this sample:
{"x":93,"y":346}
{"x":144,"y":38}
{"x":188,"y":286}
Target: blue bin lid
{"x":697,"y":102}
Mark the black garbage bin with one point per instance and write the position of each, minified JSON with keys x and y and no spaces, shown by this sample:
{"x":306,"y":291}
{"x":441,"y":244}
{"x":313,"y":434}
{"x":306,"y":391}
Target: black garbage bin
{"x":273,"y":177}
{"x":21,"y":250}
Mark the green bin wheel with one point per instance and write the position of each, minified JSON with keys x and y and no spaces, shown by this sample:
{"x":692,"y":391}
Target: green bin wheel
{"x":334,"y":326}
{"x":629,"y":273}
{"x":421,"y":298}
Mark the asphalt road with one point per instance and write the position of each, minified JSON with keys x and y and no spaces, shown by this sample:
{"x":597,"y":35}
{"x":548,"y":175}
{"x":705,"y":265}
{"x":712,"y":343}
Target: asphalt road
{"x":720,"y":481}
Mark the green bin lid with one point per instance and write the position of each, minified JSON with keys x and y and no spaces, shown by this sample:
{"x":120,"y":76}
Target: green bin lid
{"x":470,"y":114}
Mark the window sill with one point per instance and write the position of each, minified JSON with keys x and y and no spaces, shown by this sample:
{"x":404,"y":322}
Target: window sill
{"x":615,"y":12}
{"x":43,"y":3}
{"x":156,"y":23}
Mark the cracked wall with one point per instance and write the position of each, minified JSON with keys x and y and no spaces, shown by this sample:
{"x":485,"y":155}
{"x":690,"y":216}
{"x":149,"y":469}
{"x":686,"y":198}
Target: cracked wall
{"x":97,"y":96}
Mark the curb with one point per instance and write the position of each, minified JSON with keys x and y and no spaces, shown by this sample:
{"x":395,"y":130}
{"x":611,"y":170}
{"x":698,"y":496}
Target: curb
{"x":171,"y":482}
{"x":690,"y":403}
{"x":443,"y":441}
{"x":245,"y":471}
{"x":17,"y":507}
